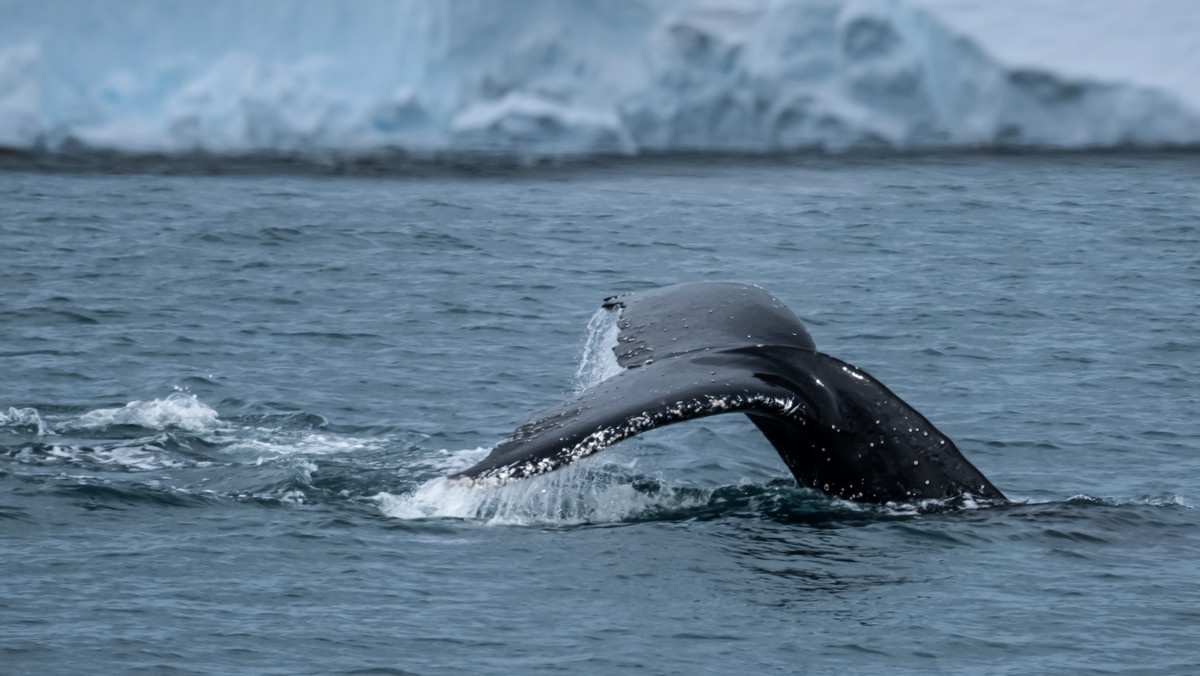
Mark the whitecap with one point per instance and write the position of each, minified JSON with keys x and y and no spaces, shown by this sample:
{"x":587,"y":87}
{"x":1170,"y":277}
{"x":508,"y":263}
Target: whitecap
{"x":1141,"y":500}
{"x":178,"y":410}
{"x":25,"y":418}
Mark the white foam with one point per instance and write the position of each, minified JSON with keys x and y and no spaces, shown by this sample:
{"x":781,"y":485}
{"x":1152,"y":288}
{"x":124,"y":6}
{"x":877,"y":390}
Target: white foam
{"x":179,"y":411}
{"x":293,"y":497}
{"x":572,"y":495}
{"x":311,"y":444}
{"x":26,"y":417}
{"x":133,"y":458}
{"x":1147,"y":500}
{"x":136,"y":456}
{"x":579,"y":493}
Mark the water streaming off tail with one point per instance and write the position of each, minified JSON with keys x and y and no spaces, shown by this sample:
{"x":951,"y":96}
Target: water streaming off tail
{"x":597,"y":361}
{"x":572,"y":495}
{"x":575,"y":494}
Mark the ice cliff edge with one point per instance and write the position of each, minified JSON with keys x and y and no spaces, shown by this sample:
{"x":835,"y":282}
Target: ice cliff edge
{"x":541,"y":77}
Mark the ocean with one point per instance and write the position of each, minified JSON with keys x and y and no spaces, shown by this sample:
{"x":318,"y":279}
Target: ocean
{"x":227,"y":399}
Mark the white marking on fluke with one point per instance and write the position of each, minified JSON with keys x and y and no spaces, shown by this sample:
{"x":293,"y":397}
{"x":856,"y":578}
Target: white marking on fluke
{"x":607,"y":436}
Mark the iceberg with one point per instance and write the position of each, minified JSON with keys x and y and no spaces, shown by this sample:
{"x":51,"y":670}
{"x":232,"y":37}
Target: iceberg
{"x":548,"y":78}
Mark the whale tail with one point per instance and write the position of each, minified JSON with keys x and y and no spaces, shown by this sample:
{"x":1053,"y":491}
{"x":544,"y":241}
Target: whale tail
{"x":695,"y":350}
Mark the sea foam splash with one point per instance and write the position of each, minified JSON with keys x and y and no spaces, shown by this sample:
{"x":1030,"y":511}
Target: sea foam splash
{"x":25,"y":420}
{"x":281,"y":444}
{"x":572,"y":495}
{"x":172,"y":421}
{"x":178,"y":411}
{"x":544,"y":78}
{"x":1170,"y":500}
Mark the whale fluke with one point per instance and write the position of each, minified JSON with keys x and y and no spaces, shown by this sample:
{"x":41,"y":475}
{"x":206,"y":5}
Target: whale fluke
{"x":695,"y":350}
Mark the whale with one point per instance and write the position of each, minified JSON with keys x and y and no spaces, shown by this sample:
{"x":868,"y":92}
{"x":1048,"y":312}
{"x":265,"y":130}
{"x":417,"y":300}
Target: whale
{"x":701,"y":349}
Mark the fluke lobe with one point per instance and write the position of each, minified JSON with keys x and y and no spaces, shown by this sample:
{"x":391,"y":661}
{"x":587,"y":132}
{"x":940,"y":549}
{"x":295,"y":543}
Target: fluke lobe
{"x":695,"y":350}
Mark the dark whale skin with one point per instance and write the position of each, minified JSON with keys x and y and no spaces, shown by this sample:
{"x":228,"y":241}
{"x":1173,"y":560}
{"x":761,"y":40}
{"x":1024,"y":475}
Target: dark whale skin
{"x":695,"y":350}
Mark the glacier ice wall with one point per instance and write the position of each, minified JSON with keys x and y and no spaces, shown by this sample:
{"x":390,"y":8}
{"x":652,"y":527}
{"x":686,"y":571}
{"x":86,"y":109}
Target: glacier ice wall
{"x":540,"y":77}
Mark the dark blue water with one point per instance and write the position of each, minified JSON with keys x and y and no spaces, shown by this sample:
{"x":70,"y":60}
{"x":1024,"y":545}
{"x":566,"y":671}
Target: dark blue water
{"x":225,"y":403}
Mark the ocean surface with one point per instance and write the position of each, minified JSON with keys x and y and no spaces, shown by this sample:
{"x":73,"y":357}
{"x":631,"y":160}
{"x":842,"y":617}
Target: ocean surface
{"x":226,"y":402}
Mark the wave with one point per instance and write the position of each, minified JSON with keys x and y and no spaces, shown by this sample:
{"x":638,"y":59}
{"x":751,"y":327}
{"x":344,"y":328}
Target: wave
{"x":24,"y":421}
{"x":176,"y":411}
{"x":188,"y":449}
{"x":541,"y":78}
{"x":1171,"y":500}
{"x":178,"y":451}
